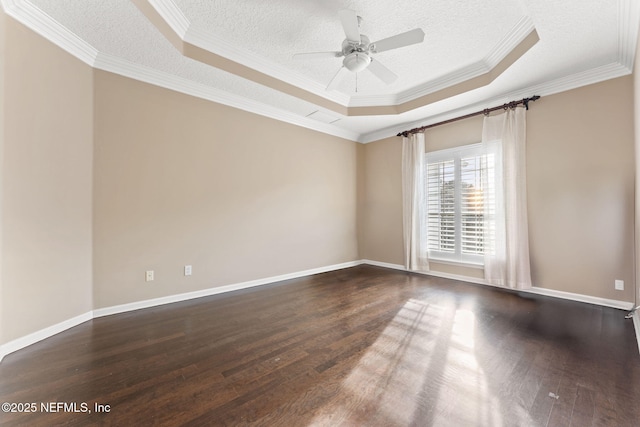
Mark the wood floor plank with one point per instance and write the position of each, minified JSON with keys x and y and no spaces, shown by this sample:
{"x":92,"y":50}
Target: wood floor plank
{"x":583,"y":408}
{"x":363,"y":346}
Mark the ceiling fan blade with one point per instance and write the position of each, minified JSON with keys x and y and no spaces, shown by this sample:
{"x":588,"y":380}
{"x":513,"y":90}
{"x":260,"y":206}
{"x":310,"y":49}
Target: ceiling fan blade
{"x":335,"y":81}
{"x":399,"y":40}
{"x":382,"y":72}
{"x":349,"y":21}
{"x":315,"y":55}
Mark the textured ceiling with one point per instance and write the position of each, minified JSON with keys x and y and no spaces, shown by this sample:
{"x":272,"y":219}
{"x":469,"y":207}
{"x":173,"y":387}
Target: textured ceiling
{"x":456,"y":36}
{"x":580,"y":42}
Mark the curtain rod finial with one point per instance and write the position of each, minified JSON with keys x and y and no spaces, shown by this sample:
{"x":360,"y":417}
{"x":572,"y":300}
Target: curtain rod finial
{"x":526,"y":101}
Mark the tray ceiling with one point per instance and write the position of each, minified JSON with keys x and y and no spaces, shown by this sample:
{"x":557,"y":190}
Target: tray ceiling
{"x":475,"y":53}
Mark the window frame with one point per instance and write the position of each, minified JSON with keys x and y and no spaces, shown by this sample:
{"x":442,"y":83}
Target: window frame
{"x":456,"y":154}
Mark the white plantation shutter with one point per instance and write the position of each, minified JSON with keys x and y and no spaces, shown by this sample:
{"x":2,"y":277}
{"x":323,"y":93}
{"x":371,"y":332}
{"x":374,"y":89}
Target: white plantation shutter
{"x":441,"y":206}
{"x":456,"y":202}
{"x":471,"y":206}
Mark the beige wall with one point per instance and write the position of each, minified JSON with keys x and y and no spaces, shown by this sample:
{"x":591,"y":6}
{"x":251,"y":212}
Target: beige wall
{"x":580,"y":171}
{"x":179,"y":180}
{"x":100,"y":168}
{"x":581,"y":190}
{"x":46,"y":184}
{"x":636,"y":122}
{"x":381,"y":213}
{"x":2,"y":103}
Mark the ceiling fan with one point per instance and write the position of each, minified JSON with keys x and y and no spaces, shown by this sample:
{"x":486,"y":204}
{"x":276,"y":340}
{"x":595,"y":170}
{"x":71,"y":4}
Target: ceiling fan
{"x":358,"y":50}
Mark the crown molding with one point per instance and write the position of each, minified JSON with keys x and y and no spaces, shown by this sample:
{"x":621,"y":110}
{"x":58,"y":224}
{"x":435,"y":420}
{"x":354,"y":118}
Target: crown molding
{"x":171,"y":13}
{"x":450,"y":79}
{"x":577,"y":80}
{"x":215,"y":46}
{"x":208,"y":41}
{"x":563,"y":84}
{"x":628,"y":18}
{"x":7,"y":5}
{"x":510,"y":41}
{"x":41,"y":23}
{"x":152,"y":76}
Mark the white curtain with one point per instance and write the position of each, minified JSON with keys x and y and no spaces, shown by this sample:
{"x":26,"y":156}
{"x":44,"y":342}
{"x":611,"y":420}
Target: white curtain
{"x":414,"y":203}
{"x":506,"y":259}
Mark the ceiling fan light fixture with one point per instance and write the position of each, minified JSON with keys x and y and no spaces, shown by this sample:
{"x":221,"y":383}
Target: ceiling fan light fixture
{"x":356,"y":61}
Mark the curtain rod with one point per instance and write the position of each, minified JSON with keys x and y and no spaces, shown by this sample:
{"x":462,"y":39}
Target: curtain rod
{"x":486,"y":111}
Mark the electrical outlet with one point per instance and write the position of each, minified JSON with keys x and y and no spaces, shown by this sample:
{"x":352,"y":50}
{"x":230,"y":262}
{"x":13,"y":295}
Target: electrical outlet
{"x":619,"y":285}
{"x":148,"y":276}
{"x":187,"y":270}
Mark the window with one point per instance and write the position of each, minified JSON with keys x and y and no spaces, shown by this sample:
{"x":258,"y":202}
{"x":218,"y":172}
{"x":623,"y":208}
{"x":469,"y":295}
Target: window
{"x":456,"y":179}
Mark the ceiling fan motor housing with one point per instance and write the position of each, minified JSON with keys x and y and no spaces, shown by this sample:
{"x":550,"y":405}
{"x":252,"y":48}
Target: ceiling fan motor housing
{"x":349,"y":46}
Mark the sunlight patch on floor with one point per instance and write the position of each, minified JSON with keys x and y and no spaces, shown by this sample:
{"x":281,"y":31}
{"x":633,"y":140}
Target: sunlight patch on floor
{"x":422,"y":368}
{"x":392,"y":368}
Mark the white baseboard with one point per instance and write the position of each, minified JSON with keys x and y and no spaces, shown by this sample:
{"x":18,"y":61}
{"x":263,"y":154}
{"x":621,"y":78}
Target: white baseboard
{"x":622,"y":305}
{"x":47,"y":332}
{"x":383,"y":264}
{"x":32,"y":338}
{"x":107,"y":311}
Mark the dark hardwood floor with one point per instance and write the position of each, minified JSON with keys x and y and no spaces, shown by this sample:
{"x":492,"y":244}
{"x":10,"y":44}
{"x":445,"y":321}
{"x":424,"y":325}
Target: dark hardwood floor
{"x":363,"y":346}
